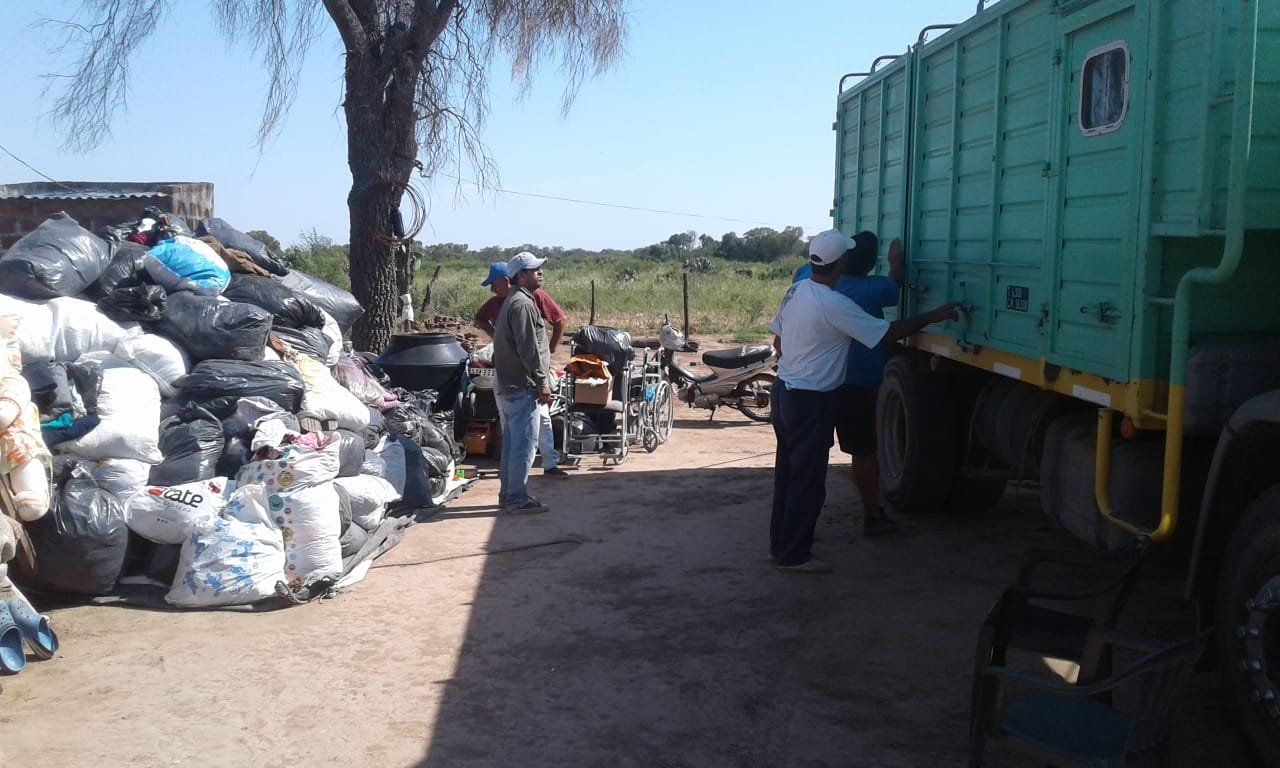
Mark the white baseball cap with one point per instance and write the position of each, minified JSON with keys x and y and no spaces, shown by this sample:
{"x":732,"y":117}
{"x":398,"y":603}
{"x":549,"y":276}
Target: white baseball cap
{"x":827,"y":247}
{"x":522,"y":261}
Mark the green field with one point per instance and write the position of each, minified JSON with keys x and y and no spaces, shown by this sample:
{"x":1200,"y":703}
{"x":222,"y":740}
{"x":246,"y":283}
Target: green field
{"x":729,"y":299}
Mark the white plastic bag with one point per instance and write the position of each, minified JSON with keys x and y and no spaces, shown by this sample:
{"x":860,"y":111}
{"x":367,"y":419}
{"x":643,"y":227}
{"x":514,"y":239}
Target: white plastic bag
{"x":227,"y":562}
{"x":333,"y":333}
{"x":165,"y":514}
{"x":297,"y":467}
{"x":312,"y":532}
{"x":155,"y":356}
{"x":373,"y":464}
{"x":35,"y":327}
{"x":250,"y":504}
{"x":123,"y":477}
{"x":325,"y":399}
{"x":78,"y":328}
{"x":367,"y":497}
{"x":129,"y":407}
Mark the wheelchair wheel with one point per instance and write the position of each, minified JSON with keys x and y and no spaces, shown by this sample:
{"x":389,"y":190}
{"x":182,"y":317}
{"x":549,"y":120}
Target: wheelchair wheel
{"x":664,"y":411}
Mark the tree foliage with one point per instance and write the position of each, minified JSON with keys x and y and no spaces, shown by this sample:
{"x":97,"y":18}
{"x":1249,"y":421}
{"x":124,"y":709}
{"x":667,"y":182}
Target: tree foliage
{"x":415,"y":81}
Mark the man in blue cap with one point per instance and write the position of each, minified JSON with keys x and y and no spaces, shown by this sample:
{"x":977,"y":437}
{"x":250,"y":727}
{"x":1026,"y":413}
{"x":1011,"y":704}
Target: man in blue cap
{"x":500,"y":285}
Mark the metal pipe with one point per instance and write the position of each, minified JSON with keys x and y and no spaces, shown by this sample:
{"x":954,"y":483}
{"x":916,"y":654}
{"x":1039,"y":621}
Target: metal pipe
{"x":1233,"y":248}
{"x":886,"y":57}
{"x":846,"y":76}
{"x":932,"y":27}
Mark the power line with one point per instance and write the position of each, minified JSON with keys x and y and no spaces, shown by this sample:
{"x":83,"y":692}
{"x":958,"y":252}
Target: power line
{"x":36,"y":171}
{"x":600,"y":204}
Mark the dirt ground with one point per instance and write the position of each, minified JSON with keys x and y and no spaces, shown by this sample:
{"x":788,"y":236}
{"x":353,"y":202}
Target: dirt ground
{"x":636,"y":624}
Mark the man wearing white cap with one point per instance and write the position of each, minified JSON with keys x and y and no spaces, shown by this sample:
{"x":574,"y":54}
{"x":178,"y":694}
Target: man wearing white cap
{"x":522,"y":364}
{"x":811,"y":332}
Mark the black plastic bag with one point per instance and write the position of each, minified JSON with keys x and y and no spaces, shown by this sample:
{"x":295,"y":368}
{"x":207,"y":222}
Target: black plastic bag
{"x":341,"y":305}
{"x":437,"y":462}
{"x":298,"y":312}
{"x":219,"y":384}
{"x":192,"y":443}
{"x":208,"y":328}
{"x":417,"y":484}
{"x":376,"y":429}
{"x":247,"y":412}
{"x":309,"y":341}
{"x":146,"y":303}
{"x":235,"y":454}
{"x":350,"y":453}
{"x":59,"y":258}
{"x":437,"y":438}
{"x":609,"y":344}
{"x":50,"y":387}
{"x":234,"y":238}
{"x":80,"y":545}
{"x":275,"y":297}
{"x":125,"y":269}
{"x":408,"y":420}
{"x":86,"y":377}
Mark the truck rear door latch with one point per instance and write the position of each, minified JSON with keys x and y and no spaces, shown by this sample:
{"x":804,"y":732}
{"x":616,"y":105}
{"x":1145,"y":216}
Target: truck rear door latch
{"x":1105,"y":311}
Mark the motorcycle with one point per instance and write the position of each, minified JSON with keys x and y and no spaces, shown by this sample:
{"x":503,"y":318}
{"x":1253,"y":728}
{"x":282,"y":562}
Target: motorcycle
{"x":740,"y":378}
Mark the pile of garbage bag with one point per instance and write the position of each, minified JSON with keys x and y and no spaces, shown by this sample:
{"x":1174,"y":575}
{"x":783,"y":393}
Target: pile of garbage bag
{"x":206,"y":430}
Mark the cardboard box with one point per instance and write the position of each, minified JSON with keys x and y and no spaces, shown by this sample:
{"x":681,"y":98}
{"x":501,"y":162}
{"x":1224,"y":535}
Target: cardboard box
{"x":585,"y":393}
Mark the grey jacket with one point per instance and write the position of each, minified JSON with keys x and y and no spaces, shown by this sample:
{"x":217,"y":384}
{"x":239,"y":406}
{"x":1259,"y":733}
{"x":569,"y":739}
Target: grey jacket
{"x":520,"y":356}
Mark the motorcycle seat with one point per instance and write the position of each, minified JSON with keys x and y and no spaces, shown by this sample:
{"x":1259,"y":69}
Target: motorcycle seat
{"x":737,"y":358}
{"x":690,"y":375}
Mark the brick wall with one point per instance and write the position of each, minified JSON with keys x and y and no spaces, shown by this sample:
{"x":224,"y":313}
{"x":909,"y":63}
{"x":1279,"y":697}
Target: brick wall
{"x":24,"y":206}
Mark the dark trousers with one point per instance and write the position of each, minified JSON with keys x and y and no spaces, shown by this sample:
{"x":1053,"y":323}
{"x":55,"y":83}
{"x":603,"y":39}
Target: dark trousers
{"x":802,"y":422}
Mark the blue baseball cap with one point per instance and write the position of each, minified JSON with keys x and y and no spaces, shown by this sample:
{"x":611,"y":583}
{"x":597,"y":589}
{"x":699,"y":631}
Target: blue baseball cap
{"x":497,"y":271}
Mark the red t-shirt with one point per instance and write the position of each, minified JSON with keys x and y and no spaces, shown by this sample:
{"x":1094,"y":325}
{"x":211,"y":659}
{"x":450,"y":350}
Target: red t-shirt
{"x":547,"y":307}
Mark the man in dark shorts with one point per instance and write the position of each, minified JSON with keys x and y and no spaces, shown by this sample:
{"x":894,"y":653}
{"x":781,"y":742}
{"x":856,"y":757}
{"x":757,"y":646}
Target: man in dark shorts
{"x":855,"y":404}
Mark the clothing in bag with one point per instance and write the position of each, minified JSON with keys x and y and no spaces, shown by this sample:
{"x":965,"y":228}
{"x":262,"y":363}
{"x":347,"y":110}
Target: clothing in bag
{"x":227,"y":562}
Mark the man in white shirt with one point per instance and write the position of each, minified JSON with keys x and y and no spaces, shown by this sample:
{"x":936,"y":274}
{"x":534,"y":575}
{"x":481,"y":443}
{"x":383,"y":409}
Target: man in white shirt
{"x":811,"y":333}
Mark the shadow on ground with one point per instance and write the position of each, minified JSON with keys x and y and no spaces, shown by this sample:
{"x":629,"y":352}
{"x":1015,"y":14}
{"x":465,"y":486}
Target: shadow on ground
{"x":639,"y":624}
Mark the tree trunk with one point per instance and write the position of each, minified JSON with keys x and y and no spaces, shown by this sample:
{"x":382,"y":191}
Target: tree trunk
{"x":381,"y":151}
{"x":372,"y":263}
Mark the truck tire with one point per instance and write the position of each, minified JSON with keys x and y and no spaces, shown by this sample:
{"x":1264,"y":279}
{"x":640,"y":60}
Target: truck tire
{"x":971,"y":495}
{"x":1248,"y":624}
{"x":915,"y":426}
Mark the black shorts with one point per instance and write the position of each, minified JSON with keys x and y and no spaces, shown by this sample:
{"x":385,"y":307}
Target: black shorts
{"x":855,"y":411}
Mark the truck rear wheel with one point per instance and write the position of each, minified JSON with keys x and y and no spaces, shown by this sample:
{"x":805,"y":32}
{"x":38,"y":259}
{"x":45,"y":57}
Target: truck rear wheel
{"x":971,"y":495}
{"x":915,"y":425}
{"x":1248,"y":623}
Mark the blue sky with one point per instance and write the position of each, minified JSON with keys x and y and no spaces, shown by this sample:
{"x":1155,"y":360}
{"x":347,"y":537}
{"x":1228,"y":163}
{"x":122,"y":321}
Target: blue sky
{"x":718,"y":108}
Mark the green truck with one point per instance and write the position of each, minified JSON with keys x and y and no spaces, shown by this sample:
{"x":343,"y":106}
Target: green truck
{"x":1098,"y":183}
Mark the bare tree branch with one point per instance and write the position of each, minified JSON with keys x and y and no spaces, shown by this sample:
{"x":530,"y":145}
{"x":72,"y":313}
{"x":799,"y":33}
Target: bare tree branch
{"x":350,"y":27}
{"x":99,"y":87}
{"x":280,"y":32}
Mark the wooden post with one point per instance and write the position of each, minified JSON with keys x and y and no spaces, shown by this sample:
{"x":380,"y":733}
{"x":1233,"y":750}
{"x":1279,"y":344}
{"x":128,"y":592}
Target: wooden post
{"x":426,"y":297}
{"x":685,"y":277}
{"x":592,"y":321}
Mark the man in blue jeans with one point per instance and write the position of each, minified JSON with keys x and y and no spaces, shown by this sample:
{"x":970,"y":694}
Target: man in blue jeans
{"x":522,"y":364}
{"x":811,"y":333}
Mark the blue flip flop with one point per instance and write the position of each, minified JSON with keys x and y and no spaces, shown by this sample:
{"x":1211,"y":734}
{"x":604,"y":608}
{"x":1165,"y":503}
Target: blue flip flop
{"x":35,"y":628}
{"x":12,"y":659}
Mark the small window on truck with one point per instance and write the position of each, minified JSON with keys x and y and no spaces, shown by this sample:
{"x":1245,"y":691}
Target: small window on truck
{"x":1104,"y":89}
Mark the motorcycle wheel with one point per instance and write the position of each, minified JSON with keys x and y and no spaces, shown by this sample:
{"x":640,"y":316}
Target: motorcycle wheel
{"x":755,"y":397}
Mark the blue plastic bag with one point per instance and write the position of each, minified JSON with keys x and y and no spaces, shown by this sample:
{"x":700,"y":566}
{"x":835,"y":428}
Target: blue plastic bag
{"x":184,"y":264}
